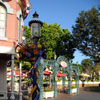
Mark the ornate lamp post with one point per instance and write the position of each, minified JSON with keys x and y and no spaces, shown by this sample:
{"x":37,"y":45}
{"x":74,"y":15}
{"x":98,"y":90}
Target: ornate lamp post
{"x":35,"y":25}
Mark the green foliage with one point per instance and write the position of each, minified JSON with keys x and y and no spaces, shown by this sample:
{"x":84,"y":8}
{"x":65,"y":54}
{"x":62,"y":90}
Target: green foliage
{"x":50,"y":34}
{"x":86,"y":65}
{"x":27,"y":80}
{"x":48,"y":90}
{"x":56,"y":40}
{"x":58,"y":80}
{"x":97,"y":68}
{"x":45,"y":80}
{"x":86,"y":33}
{"x":27,"y":32}
{"x":73,"y":87}
{"x":26,"y":65}
{"x":65,"y":45}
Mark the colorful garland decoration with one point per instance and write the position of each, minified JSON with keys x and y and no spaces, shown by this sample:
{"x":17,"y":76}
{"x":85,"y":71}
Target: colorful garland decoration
{"x":31,"y":53}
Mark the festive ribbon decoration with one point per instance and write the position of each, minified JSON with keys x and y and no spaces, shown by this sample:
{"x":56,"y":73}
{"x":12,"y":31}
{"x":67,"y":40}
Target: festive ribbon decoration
{"x":41,"y":52}
{"x":32,"y":53}
{"x":34,"y":81}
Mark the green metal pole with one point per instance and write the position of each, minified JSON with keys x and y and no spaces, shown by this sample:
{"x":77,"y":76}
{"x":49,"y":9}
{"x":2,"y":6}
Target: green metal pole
{"x":69,"y":78}
{"x":41,"y":67}
{"x":77,"y":79}
{"x":63,"y":81}
{"x":55,"y":87}
{"x":54,"y":81}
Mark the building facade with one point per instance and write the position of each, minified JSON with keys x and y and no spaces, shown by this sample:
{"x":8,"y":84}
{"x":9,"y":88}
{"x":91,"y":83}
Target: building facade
{"x":12,"y":15}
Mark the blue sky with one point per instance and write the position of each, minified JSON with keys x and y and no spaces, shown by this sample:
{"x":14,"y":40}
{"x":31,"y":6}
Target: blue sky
{"x":63,"y":12}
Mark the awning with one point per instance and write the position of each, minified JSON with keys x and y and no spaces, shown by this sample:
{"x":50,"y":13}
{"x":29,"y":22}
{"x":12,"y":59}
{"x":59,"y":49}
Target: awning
{"x":16,"y":74}
{"x":46,"y":73}
{"x":60,"y":74}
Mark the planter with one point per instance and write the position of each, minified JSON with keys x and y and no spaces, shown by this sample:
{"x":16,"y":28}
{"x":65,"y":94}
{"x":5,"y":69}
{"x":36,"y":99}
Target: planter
{"x":74,"y":90}
{"x":16,"y":87}
{"x":48,"y":94}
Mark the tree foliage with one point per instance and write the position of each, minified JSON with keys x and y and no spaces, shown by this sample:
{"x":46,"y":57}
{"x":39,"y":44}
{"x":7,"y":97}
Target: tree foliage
{"x":86,"y":33}
{"x":87,"y":65}
{"x":97,"y":68}
{"x":27,"y":33}
{"x":65,"y":45}
{"x":56,"y":40}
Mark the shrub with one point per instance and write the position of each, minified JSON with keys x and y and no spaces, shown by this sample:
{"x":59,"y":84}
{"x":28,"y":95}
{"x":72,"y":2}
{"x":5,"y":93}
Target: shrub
{"x":48,"y":90}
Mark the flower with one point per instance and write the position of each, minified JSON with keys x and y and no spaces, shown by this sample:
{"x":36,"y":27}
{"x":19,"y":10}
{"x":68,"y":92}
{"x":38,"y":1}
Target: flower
{"x":32,"y":58}
{"x":32,"y":46}
{"x":24,"y":52}
{"x":23,"y":48}
{"x":39,"y":46}
{"x":35,"y":52}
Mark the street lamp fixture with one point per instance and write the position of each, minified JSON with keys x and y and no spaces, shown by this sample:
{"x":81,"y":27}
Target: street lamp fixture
{"x":35,"y":25}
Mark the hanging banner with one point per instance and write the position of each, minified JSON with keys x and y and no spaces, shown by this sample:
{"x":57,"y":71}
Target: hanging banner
{"x":27,"y":7}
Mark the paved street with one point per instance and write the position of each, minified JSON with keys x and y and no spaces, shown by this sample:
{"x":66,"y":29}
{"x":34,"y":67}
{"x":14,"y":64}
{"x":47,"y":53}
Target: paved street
{"x":83,"y":95}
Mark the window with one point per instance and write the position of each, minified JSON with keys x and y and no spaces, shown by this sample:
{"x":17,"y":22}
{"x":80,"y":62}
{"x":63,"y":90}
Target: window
{"x":2,"y":21}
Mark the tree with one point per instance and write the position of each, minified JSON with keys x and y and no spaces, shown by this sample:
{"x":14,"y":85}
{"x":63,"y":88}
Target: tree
{"x":26,"y":65}
{"x":87,"y":65}
{"x":97,"y":68}
{"x":65,"y":45}
{"x":86,"y":33}
{"x":27,"y":33}
{"x":56,"y":40}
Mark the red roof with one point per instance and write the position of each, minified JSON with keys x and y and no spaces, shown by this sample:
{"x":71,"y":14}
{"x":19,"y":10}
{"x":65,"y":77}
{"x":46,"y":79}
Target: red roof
{"x":46,"y":73}
{"x":60,"y":74}
{"x":16,"y":74}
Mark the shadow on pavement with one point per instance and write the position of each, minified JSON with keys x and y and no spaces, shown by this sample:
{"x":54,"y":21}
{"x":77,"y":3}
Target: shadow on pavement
{"x":16,"y":97}
{"x":92,"y":89}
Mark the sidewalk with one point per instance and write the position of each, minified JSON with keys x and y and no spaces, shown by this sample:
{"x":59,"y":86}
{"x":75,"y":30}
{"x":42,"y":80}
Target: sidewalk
{"x":60,"y":95}
{"x":83,"y":95}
